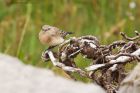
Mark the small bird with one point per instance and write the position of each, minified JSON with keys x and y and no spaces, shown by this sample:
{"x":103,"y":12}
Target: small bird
{"x":52,"y":36}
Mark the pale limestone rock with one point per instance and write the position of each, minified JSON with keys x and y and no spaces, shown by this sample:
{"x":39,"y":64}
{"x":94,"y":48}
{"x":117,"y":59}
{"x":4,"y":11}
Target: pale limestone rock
{"x":16,"y":77}
{"x":131,"y":84}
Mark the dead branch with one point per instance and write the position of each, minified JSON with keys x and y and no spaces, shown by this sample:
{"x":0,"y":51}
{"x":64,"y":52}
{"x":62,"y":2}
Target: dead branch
{"x":129,"y":38}
{"x":107,"y":66}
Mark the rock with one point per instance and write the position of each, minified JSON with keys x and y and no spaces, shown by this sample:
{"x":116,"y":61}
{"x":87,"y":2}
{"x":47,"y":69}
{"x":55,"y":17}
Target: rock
{"x":16,"y":77}
{"x":131,"y":84}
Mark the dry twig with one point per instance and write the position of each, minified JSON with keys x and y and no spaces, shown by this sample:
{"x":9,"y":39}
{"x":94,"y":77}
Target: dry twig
{"x":107,"y":67}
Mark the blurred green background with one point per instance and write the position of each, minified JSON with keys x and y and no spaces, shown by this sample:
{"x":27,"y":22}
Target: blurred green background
{"x":21,"y":21}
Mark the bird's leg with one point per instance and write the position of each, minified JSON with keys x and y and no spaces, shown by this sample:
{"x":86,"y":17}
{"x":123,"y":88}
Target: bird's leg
{"x":51,"y":47}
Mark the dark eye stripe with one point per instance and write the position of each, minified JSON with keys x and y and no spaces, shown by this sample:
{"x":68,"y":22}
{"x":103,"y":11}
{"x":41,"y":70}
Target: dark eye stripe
{"x":46,"y":29}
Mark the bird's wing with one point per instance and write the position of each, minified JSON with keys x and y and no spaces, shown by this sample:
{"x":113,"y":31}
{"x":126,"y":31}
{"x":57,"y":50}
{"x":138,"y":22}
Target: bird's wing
{"x":61,"y":32}
{"x":64,"y":34}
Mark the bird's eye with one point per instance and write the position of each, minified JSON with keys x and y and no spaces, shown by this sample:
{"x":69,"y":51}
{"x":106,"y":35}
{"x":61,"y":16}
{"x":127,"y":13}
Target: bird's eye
{"x":47,"y":29}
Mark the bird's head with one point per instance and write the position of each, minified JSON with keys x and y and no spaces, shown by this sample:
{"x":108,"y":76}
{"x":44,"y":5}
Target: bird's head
{"x":46,"y":28}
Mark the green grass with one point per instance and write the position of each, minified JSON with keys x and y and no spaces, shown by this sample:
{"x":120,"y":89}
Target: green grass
{"x":20,"y":23}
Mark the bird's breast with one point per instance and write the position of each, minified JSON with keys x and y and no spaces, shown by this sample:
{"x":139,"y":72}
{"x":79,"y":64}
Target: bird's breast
{"x":56,"y":40}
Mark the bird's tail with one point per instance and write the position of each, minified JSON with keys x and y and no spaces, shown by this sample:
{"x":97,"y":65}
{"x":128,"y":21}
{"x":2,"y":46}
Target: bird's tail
{"x":69,"y":32}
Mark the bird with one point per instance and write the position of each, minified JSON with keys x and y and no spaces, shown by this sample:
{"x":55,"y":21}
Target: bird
{"x":52,"y":36}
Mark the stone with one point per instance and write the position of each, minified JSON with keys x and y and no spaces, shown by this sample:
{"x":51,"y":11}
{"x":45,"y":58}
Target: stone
{"x":16,"y":77}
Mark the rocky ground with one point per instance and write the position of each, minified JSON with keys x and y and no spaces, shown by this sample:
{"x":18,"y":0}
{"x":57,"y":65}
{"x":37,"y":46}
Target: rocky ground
{"x":16,"y":77}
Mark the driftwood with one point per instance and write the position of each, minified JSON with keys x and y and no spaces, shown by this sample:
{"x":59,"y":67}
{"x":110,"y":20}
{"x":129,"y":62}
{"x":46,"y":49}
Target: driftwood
{"x":107,"y":68}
